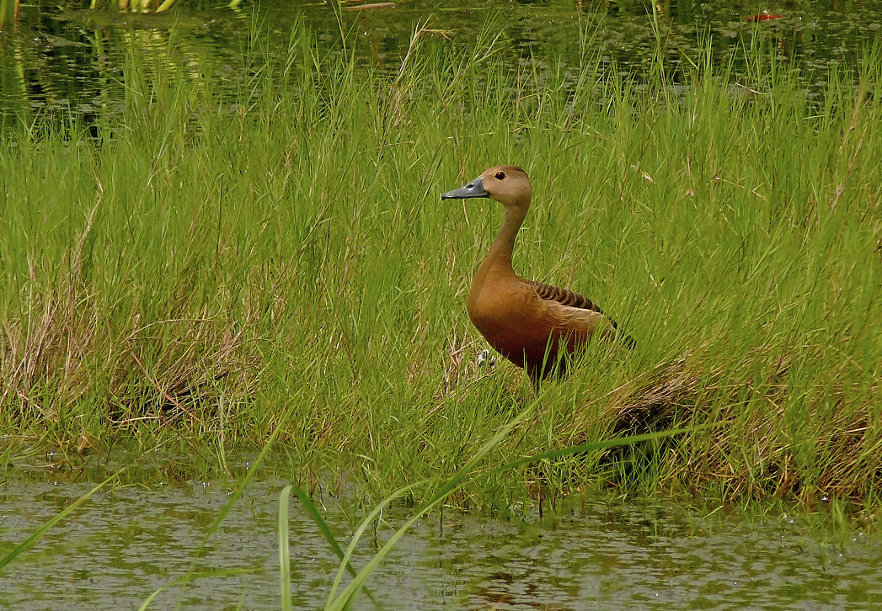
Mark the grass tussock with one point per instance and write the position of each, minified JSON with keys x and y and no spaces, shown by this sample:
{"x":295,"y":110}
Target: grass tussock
{"x":201,"y":270}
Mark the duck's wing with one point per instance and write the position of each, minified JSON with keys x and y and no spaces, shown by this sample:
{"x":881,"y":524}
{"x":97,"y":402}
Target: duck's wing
{"x":573,"y":306}
{"x":564,"y":297}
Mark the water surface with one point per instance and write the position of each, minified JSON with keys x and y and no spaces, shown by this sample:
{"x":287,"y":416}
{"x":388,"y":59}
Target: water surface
{"x":128,"y":542}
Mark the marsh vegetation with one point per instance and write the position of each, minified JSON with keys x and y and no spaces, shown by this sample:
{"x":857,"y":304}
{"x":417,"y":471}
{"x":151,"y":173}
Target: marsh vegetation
{"x":201,"y":276}
{"x":194,"y":273}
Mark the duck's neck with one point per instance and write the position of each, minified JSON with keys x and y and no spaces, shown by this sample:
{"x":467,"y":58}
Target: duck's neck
{"x":500,"y":253}
{"x":495,"y":271}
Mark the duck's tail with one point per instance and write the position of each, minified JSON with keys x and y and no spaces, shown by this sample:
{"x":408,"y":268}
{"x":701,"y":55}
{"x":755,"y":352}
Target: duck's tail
{"x":623,"y":337}
{"x":626,"y":339}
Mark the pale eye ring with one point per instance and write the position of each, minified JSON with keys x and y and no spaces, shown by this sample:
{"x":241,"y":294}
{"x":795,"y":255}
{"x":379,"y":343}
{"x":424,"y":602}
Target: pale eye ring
{"x":500,"y":175}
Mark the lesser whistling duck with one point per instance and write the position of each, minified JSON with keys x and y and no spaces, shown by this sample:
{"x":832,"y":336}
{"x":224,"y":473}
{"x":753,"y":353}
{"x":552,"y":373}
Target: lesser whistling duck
{"x":527,"y":322}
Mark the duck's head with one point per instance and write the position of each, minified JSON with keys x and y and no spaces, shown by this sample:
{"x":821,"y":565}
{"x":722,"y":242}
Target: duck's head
{"x":507,"y":184}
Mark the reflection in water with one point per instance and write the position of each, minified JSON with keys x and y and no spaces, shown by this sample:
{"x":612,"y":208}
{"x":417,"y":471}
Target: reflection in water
{"x":128,"y":542}
{"x":53,"y":58}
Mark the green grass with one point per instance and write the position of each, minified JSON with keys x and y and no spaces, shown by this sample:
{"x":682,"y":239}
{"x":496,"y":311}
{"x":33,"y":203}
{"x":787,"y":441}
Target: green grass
{"x":203,"y":273}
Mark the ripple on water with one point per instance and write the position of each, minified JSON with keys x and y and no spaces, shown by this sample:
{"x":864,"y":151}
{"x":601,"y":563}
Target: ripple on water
{"x":128,"y":542}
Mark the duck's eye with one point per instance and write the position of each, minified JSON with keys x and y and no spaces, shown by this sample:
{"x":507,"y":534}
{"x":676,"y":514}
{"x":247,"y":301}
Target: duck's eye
{"x":500,"y":175}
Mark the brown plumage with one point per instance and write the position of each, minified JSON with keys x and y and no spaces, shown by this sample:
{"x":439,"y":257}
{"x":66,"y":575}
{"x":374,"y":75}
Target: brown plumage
{"x":529,"y":323}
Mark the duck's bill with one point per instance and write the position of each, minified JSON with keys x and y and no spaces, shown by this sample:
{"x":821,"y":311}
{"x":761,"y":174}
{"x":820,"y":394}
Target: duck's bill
{"x":473,"y":189}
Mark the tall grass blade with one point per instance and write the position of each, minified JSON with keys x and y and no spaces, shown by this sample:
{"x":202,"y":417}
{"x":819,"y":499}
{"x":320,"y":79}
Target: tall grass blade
{"x":35,"y":536}
{"x":284,"y":549}
{"x":346,"y":562}
{"x":316,"y":516}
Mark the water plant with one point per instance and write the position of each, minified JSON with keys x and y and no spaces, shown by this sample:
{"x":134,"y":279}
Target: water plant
{"x":180,"y":270}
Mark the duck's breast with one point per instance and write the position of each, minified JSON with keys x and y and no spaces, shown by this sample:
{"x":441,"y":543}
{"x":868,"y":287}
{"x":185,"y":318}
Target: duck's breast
{"x":513,"y":319}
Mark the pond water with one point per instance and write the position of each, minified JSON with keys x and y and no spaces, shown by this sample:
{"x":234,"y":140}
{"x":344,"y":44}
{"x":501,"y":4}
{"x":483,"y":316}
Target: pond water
{"x":58,"y":57}
{"x":125,"y":543}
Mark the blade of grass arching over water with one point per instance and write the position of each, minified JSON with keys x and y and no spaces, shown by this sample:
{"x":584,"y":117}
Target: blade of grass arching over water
{"x":450,"y":486}
{"x":603,"y":445}
{"x":587,"y":447}
{"x":35,"y":536}
{"x":457,"y":481}
{"x":316,"y":515}
{"x":347,"y":559}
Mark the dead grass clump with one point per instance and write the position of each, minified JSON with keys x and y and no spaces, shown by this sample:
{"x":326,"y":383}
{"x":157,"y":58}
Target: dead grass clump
{"x":767,"y":437}
{"x":43,"y":351}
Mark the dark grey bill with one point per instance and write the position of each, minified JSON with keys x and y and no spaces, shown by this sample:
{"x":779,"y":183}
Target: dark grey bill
{"x":473,"y":189}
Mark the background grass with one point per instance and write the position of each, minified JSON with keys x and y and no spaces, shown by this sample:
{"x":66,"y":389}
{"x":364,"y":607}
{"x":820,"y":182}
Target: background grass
{"x":189,"y":271}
